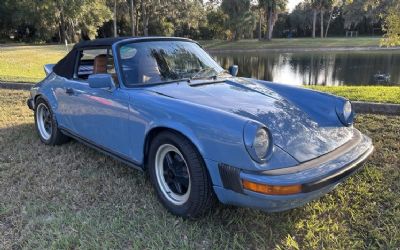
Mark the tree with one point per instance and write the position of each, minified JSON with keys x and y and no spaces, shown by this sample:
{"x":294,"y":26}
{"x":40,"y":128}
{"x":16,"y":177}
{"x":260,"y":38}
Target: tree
{"x":115,"y":19}
{"x":321,"y":6}
{"x":241,"y":20}
{"x":392,"y":29}
{"x":301,"y":18}
{"x":133,"y":19}
{"x":334,"y":4}
{"x":392,"y":26}
{"x":272,"y":7}
{"x":368,"y":13}
{"x":314,"y":5}
{"x":71,"y":19}
{"x":216,"y":20}
{"x":354,"y":13}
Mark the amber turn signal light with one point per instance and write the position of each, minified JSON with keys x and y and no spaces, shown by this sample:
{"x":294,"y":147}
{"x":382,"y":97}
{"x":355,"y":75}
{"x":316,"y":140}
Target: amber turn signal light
{"x":270,"y":189}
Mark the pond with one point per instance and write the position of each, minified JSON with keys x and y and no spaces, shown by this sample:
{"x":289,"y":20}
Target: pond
{"x":318,"y":68}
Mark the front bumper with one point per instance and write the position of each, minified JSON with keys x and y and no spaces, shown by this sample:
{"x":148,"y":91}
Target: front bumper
{"x":316,"y":178}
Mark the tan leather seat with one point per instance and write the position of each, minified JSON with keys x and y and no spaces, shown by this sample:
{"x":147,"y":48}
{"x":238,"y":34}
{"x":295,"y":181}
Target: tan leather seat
{"x":100,"y":64}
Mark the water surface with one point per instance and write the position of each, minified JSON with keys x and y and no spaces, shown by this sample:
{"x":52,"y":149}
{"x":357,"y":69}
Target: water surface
{"x":318,"y":68}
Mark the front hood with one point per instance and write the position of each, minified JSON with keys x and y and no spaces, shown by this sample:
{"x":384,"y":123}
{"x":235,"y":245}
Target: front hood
{"x":292,"y":129}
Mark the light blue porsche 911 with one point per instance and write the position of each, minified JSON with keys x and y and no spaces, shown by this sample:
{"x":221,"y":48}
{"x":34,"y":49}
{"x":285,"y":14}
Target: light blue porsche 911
{"x":164,"y":106}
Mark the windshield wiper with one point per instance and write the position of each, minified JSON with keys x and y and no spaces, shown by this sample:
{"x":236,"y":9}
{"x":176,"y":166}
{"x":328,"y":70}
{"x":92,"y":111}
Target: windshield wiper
{"x":220,"y":74}
{"x":202,"y":71}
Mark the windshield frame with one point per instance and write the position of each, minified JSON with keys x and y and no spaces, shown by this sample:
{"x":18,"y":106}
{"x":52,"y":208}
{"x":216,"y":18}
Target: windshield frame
{"x":118,"y":65}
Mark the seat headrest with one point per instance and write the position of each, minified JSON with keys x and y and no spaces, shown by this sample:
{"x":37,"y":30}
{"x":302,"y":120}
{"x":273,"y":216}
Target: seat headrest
{"x":100,"y":64}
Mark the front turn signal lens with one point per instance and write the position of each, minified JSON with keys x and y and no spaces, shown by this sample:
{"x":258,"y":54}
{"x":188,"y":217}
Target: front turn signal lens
{"x":271,"y":189}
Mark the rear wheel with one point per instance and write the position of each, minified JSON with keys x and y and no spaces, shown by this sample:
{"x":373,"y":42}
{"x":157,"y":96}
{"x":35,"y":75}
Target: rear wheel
{"x":46,"y":124}
{"x":179,"y":176}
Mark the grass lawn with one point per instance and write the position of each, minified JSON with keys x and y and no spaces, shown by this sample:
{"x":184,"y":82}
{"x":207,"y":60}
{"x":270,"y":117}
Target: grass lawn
{"x":25,"y":63}
{"x":364,"y":93}
{"x":71,"y":197}
{"x":292,"y":43}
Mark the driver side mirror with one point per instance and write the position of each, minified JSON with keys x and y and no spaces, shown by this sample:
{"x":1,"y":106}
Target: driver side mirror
{"x":233,"y":70}
{"x":101,"y":81}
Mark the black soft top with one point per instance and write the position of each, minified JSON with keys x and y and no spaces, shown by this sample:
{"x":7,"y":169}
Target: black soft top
{"x":65,"y":67}
{"x":101,"y":42}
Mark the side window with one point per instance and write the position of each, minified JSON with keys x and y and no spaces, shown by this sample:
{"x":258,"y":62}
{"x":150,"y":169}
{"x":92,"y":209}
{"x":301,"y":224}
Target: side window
{"x":95,"y":61}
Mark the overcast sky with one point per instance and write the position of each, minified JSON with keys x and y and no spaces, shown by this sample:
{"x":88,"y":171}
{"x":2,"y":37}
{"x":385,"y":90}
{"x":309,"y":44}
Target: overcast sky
{"x":292,"y":4}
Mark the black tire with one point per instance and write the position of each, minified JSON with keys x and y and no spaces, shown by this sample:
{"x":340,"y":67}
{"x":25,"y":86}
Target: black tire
{"x":201,"y":197}
{"x":56,"y":137}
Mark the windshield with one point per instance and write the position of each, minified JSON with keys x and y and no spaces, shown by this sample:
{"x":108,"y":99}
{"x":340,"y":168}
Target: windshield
{"x":163,"y":61}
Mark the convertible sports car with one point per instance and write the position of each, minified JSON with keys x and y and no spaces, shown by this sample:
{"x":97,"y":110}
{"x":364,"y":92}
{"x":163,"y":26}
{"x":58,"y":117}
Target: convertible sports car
{"x":164,"y":106}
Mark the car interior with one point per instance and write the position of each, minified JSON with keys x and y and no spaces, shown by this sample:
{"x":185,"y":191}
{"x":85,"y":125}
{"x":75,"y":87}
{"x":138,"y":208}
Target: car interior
{"x":138,"y":69}
{"x":96,"y":61}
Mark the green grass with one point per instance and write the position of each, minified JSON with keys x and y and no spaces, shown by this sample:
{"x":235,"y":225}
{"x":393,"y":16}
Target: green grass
{"x":25,"y":63}
{"x":70,"y":196}
{"x":292,"y":43}
{"x":364,"y":93}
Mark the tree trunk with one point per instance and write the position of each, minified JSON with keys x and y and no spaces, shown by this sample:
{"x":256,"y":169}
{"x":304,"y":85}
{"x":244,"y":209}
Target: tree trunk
{"x":145,"y":20}
{"x":270,"y":23}
{"x":314,"y":22}
{"x":115,"y":19}
{"x":322,"y":23}
{"x":259,"y":26}
{"x":63,"y":35}
{"x":137,"y":21}
{"x":329,"y":22}
{"x":146,"y":25}
{"x":133,"y":19}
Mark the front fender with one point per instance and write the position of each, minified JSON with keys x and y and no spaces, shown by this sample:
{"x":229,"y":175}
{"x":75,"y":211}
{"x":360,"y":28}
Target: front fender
{"x":218,"y":135}
{"x":181,"y":128}
{"x":320,"y":106}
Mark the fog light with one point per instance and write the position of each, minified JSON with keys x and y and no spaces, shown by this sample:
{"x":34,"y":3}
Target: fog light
{"x":271,"y":189}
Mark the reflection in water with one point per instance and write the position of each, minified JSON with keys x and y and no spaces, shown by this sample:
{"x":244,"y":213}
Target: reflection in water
{"x":322,"y":68}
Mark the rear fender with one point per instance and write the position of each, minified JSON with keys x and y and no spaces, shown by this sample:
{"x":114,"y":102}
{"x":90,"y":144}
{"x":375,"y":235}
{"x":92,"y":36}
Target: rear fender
{"x":48,"y":68}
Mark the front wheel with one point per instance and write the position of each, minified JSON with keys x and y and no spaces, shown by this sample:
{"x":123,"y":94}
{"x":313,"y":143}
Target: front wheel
{"x":46,"y":124}
{"x":179,"y":176}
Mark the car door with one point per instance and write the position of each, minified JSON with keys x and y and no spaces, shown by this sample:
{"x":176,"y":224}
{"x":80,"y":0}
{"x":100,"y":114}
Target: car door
{"x":99,"y":116}
{"x":64,"y":101}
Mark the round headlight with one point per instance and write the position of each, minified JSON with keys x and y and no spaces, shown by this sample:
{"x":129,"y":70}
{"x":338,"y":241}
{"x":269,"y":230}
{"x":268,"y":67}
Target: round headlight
{"x":347,"y":110}
{"x":258,"y":141}
{"x":261,"y":143}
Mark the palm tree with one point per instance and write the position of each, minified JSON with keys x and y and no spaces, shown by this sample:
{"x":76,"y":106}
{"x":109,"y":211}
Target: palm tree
{"x":273,"y":7}
{"x":315,"y":6}
{"x":133,"y":19}
{"x":319,"y":5}
{"x":115,"y":19}
{"x":334,"y":4}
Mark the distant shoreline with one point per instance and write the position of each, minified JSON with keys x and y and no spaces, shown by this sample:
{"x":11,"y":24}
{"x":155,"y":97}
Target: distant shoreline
{"x":292,"y":49}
